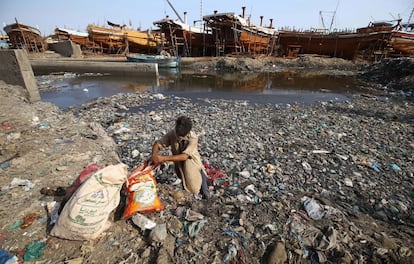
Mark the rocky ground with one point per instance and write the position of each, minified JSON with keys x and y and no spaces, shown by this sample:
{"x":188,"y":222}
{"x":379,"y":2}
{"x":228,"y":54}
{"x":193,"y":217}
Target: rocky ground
{"x":355,"y":158}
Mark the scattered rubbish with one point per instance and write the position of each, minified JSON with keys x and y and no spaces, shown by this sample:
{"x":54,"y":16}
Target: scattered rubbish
{"x":74,"y":261}
{"x":321,"y":151}
{"x":14,"y":226}
{"x":29,"y":219}
{"x":314,"y":209}
{"x":142,"y":221}
{"x":159,"y":96}
{"x":193,"y":216}
{"x":158,"y":233}
{"x":27,"y":184}
{"x":52,"y":209}
{"x":275,"y":228}
{"x":394,"y":167}
{"x":7,"y":258}
{"x":193,"y":228}
{"x":371,"y":164}
{"x":5,"y":165}
{"x":216,"y":176}
{"x":34,"y":250}
{"x":348,"y":182}
{"x":231,"y":253}
{"x":6,"y":126}
{"x":231,"y":232}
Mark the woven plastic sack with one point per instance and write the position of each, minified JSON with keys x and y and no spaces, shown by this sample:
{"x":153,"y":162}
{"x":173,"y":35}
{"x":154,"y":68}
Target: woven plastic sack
{"x":85,"y":215}
{"x":142,"y":192}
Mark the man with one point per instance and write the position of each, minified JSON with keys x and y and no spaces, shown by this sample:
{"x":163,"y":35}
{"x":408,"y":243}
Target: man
{"x":184,"y":147}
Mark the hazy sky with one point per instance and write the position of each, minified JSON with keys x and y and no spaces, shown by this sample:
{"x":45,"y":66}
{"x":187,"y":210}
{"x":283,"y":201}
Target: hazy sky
{"x":299,"y":14}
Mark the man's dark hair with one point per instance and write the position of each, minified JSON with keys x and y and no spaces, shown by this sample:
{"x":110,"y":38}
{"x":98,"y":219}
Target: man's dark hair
{"x":183,"y":125}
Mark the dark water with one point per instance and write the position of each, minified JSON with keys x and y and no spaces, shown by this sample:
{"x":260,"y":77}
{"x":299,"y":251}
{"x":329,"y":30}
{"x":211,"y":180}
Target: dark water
{"x":276,"y":88}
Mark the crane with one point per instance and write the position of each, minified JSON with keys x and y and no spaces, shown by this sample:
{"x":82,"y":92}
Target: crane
{"x":175,"y":11}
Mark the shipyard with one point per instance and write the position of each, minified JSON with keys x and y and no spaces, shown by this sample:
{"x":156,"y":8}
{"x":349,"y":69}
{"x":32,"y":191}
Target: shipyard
{"x":305,"y":138}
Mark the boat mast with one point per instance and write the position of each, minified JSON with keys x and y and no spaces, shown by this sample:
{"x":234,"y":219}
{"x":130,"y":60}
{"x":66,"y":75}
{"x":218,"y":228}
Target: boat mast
{"x":409,"y":19}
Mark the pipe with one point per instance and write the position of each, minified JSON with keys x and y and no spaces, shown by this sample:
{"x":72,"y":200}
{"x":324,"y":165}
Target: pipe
{"x":271,"y":23}
{"x":185,"y":17}
{"x":244,"y":11}
{"x":261,"y":20}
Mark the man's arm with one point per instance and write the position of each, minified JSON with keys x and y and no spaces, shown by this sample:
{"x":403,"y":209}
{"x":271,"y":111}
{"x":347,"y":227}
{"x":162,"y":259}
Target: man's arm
{"x":156,"y":159}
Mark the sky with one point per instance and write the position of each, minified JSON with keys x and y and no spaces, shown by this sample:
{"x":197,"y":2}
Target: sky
{"x":46,"y":15}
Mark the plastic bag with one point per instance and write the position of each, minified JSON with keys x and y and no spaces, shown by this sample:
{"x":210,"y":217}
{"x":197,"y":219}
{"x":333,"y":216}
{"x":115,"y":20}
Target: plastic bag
{"x":142,"y":192}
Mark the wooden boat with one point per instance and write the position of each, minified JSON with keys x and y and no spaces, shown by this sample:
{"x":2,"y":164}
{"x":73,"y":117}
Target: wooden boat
{"x":402,"y":40}
{"x":181,"y":39}
{"x":141,"y":41}
{"x":81,"y":38}
{"x":25,"y":37}
{"x":234,"y":34}
{"x":366,"y":42}
{"x":162,"y":60}
{"x":111,"y":40}
{"x":402,"y":43}
{"x":119,"y":39}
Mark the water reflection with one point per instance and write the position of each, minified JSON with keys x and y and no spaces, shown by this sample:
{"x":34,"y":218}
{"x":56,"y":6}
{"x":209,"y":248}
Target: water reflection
{"x":281,"y":87}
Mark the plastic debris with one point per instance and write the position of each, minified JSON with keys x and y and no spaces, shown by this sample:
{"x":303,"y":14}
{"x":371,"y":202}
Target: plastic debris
{"x":193,"y":228}
{"x":14,"y":226}
{"x":394,"y":167}
{"x":142,"y":221}
{"x":314,"y":209}
{"x":29,"y":219}
{"x":6,"y":258}
{"x":27,"y":184}
{"x":34,"y":250}
{"x":231,"y":253}
{"x":52,"y":211}
{"x":193,"y":216}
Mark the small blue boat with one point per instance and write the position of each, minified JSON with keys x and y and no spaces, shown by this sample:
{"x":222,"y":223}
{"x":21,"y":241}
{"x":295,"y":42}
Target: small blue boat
{"x":162,"y":60}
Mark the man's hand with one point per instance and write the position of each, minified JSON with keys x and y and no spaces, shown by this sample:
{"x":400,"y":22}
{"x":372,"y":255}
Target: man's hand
{"x":157,"y":159}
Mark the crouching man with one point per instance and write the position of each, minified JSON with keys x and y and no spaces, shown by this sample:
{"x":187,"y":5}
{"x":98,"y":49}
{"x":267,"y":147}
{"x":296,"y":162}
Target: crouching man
{"x":184,"y":148}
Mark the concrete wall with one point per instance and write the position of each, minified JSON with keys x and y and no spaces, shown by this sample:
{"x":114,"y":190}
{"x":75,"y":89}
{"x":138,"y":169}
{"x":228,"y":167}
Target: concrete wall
{"x":16,"y":69}
{"x":66,"y":49}
{"x":42,"y":66}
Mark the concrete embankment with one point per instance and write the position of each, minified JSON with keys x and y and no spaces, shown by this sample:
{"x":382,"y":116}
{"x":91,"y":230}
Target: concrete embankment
{"x":45,"y":66}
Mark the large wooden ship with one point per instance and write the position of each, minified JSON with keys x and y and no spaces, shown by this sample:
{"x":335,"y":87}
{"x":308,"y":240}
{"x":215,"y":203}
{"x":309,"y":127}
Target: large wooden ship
{"x":232,"y":33}
{"x":78,"y":37}
{"x":366,"y":43}
{"x":182,"y":39}
{"x":119,"y":39}
{"x":26,"y":37}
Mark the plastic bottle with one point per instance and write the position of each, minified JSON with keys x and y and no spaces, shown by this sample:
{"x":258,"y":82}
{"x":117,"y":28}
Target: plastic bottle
{"x":314,"y":210}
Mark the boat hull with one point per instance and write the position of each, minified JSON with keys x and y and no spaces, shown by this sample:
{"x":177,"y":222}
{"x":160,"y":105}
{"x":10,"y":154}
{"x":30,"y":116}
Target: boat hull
{"x":117,"y":40}
{"x":26,"y":37}
{"x":403,"y":43}
{"x":339,"y":45}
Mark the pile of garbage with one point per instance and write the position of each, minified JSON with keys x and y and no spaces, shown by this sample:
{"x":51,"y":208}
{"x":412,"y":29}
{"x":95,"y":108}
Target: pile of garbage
{"x":328,"y":182}
{"x":324,"y":183}
{"x":396,"y":74}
